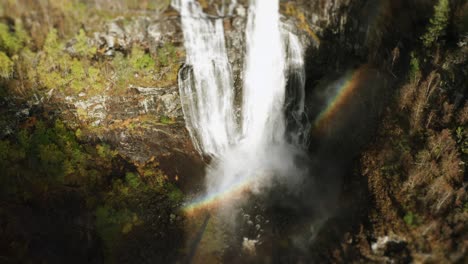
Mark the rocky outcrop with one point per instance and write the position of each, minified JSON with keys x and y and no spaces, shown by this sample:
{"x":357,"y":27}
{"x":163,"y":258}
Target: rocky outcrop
{"x":151,"y":32}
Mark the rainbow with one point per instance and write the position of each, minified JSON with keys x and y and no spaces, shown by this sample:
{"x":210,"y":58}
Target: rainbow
{"x":345,"y":88}
{"x":214,"y":200}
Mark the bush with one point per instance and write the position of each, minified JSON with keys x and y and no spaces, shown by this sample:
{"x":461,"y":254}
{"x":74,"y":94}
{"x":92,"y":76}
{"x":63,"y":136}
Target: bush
{"x":6,"y":66}
{"x":415,"y":71}
{"x":82,"y":47}
{"x":141,"y":60}
{"x":111,"y":223}
{"x":410,"y":219}
{"x":166,"y":54}
{"x":11,"y":42}
{"x":133,"y":180}
{"x":438,"y":23}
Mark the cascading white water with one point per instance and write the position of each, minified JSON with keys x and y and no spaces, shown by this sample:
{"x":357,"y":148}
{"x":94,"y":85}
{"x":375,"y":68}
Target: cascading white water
{"x":258,"y":147}
{"x":295,"y":103}
{"x":264,"y":86}
{"x":207,"y":92}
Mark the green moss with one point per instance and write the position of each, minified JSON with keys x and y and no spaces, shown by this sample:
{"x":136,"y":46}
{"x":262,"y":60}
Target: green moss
{"x":438,"y":23}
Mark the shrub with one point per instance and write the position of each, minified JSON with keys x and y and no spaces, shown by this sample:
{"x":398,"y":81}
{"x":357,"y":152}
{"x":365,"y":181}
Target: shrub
{"x":166,"y":120}
{"x":438,"y":23}
{"x":52,"y":46}
{"x":9,"y":41}
{"x":410,"y":219}
{"x":174,"y":193}
{"x":104,"y":151}
{"x":111,"y":223}
{"x":166,"y":54}
{"x":82,"y":47}
{"x":141,"y":60}
{"x":133,"y":180}
{"x":6,"y":66}
{"x":462,"y":139}
{"x":415,"y":71}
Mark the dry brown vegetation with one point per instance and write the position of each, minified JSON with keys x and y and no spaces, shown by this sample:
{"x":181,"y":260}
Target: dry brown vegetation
{"x":416,"y":169}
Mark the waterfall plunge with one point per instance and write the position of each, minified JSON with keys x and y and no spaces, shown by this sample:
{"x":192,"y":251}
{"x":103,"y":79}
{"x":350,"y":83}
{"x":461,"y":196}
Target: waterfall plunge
{"x":259,"y":148}
{"x":264,"y":86}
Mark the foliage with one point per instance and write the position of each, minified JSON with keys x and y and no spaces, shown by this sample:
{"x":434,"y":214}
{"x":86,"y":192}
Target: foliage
{"x":49,"y":154}
{"x":140,"y":68}
{"x":104,"y":151}
{"x":122,"y":69}
{"x":82,"y":47}
{"x":438,"y":23}
{"x":121,"y":210}
{"x":166,"y":54}
{"x":166,"y":120}
{"x":10,"y":42}
{"x":58,"y":70}
{"x":133,"y":180}
{"x":6,"y":66}
{"x":415,"y":71}
{"x":111,"y":223}
{"x":141,"y":60}
{"x":410,"y":219}
{"x":52,"y":46}
{"x":79,"y":68}
{"x":174,"y":193}
{"x":462,"y":139}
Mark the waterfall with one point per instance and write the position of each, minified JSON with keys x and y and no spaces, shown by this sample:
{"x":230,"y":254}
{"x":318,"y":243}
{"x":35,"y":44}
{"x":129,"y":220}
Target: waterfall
{"x":206,"y":86}
{"x":270,"y":132}
{"x":295,"y":103}
{"x":264,"y":86}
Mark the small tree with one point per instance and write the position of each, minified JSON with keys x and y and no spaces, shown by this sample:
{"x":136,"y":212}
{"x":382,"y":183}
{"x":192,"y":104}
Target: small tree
{"x":438,"y":23}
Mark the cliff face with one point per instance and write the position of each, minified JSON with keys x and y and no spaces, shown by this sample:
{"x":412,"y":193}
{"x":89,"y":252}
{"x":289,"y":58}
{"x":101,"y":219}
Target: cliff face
{"x":404,"y":193}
